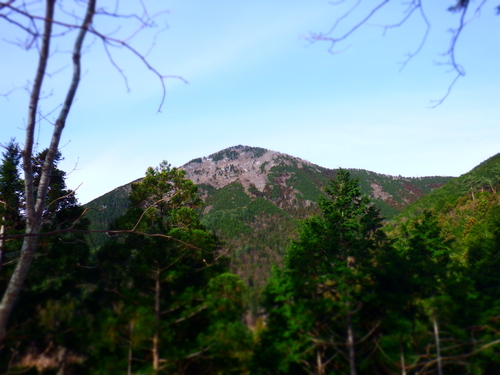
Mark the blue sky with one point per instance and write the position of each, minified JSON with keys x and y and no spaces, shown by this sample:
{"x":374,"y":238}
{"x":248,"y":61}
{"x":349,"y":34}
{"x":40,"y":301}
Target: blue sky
{"x":254,"y":79}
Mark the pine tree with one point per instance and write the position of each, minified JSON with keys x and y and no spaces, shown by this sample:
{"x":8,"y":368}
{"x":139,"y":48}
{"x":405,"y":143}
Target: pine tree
{"x":164,"y":308}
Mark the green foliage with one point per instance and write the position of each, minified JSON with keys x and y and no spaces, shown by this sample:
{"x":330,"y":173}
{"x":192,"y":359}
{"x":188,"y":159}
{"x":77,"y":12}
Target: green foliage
{"x":227,"y":223}
{"x":262,"y":167}
{"x":225,"y":154}
{"x":398,"y":293}
{"x":482,"y":178}
{"x":169,"y":271}
{"x":104,"y":210}
{"x":163,"y":287}
{"x":427,"y":253}
{"x":11,"y":186}
{"x":11,"y":194}
{"x":326,"y":274}
{"x":229,"y":197}
{"x":387,"y":211}
{"x":53,"y":315}
{"x":305,"y":182}
{"x":258,"y":152}
{"x":483,"y":257}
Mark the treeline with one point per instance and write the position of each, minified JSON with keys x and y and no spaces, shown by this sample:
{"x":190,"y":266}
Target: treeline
{"x":158,"y":296}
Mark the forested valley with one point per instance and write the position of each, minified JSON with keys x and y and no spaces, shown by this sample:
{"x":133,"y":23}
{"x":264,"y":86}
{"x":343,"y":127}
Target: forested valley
{"x":293,"y":277}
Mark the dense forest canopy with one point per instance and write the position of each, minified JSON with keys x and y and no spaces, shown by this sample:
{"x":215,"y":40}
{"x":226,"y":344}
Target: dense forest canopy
{"x":347,"y":295}
{"x":161,"y":291}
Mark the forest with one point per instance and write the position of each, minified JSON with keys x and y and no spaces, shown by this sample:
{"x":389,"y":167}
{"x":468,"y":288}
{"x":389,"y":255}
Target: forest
{"x":352,"y":293}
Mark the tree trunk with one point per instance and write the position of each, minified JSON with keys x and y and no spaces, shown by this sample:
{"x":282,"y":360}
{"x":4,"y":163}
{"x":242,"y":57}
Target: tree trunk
{"x":35,"y":205}
{"x":403,"y":365}
{"x":2,"y":242}
{"x":16,"y":282}
{"x":156,"y":338}
{"x":350,"y":345}
{"x":129,"y":359}
{"x":438,"y":345}
{"x":320,"y":367}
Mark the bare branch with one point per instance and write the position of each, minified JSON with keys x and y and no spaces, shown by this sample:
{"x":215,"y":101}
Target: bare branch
{"x":369,"y":333}
{"x":203,"y":307}
{"x":192,"y":355}
{"x":34,"y":209}
{"x":145,"y":21}
{"x":334,"y":41}
{"x":10,"y":92}
{"x":460,"y":7}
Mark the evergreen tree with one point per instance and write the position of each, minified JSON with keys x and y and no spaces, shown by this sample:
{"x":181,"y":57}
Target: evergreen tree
{"x":172,"y":309}
{"x":434,"y":286}
{"x":58,"y":196}
{"x":11,"y":189}
{"x":483,"y":300}
{"x":321,"y":311}
{"x":53,"y":316}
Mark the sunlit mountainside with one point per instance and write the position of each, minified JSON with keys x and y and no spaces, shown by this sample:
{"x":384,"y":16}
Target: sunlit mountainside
{"x":463,"y":205}
{"x":288,"y":181}
{"x":254,"y":198}
{"x":261,"y":181}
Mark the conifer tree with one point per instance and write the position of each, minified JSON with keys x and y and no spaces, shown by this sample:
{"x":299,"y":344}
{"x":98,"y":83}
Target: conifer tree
{"x":320,"y":305}
{"x":164,"y":312}
{"x":430,"y":279}
{"x":11,"y":188}
{"x":52,"y":318}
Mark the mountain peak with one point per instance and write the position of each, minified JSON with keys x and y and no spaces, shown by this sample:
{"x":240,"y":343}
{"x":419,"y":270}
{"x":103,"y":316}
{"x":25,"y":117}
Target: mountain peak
{"x":249,"y":165}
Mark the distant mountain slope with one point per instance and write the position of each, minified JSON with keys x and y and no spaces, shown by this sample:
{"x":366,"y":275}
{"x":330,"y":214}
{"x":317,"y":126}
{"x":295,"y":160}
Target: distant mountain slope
{"x":291,"y":182}
{"x":462,"y":202}
{"x":234,"y":177}
{"x":486,"y":176}
{"x":254,"y":198}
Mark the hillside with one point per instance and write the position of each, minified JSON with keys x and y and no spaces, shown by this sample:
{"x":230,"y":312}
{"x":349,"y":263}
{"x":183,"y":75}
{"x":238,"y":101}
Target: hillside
{"x":254,"y":198}
{"x":243,"y":177}
{"x":291,"y":182}
{"x":462,"y":204}
{"x":484,"y":177}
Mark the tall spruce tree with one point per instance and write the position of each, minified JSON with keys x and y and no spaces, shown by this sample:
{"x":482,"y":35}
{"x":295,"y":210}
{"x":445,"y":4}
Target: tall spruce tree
{"x":321,"y":315}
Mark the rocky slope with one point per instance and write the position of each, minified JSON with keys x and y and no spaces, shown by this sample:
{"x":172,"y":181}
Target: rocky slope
{"x":255,"y":197}
{"x":287,"y":180}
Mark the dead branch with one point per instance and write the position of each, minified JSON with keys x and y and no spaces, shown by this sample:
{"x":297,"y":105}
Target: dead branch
{"x":34,"y":208}
{"x":461,"y":7}
{"x":145,"y":21}
{"x":204,"y":307}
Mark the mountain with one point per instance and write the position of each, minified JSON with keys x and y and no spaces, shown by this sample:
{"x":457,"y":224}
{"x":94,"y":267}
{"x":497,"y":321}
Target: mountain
{"x":254,"y":198}
{"x":291,"y":182}
{"x":267,"y":181}
{"x":463,"y":205}
{"x":484,"y":177}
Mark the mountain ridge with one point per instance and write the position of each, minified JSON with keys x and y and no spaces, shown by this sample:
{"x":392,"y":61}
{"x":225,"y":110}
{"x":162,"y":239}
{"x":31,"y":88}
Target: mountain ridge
{"x":254,"y":199}
{"x":268,"y":174}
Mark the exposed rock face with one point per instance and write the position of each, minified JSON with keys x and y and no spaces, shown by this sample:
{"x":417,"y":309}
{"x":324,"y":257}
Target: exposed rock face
{"x":269,"y":183}
{"x":281,"y":178}
{"x":249,"y":165}
{"x":378,"y":192}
